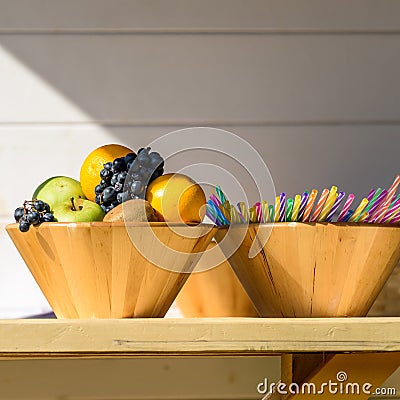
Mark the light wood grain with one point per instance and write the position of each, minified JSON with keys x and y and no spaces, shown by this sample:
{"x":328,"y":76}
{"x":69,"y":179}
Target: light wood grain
{"x":314,"y":270}
{"x":189,"y":336}
{"x":94,"y":270}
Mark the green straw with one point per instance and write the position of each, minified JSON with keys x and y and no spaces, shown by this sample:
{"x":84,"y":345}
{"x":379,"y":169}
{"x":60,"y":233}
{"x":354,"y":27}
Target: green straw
{"x":371,"y":203}
{"x":289,"y":209}
{"x":271,"y":213}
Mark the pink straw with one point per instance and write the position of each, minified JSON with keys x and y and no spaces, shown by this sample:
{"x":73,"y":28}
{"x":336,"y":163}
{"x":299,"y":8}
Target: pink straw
{"x":346,"y":207}
{"x":393,"y":211}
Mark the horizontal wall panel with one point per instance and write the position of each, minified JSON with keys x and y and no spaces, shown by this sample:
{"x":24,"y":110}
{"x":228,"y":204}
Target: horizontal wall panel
{"x":324,"y":15}
{"x":199,"y":78}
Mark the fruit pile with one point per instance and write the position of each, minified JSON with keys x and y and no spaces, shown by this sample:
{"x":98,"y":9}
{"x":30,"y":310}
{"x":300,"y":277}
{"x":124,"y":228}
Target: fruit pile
{"x":112,"y":176}
{"x":127,"y":178}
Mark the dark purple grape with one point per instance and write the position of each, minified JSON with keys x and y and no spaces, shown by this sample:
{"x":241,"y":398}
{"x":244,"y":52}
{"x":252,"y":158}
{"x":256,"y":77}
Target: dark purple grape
{"x":48,"y":217}
{"x":119,"y":164}
{"x":39,"y":205}
{"x":130,"y":158}
{"x":98,"y":189}
{"x":122,"y":176}
{"x":109,"y":194}
{"x":137,"y":187}
{"x":32,"y":217}
{"x":24,"y":226}
{"x":114,"y":180}
{"x":105,"y":174}
{"x":123,"y":196}
{"x":97,"y":198}
{"x":108,"y":165}
{"x":19,"y":213}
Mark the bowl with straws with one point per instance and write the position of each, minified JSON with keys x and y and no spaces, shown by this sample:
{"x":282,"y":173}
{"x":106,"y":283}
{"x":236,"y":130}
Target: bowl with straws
{"x":308,"y":257}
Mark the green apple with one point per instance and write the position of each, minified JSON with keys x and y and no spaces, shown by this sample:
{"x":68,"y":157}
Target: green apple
{"x":78,"y":210}
{"x":58,"y":189}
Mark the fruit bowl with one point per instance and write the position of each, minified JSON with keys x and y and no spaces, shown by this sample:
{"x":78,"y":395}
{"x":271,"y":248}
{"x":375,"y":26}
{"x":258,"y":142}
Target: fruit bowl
{"x":216,"y":292}
{"x":93,"y":270}
{"x":313,"y":269}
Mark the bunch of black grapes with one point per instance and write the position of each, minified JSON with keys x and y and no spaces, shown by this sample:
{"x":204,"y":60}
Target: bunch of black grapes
{"x":33,"y":212}
{"x":127,"y":178}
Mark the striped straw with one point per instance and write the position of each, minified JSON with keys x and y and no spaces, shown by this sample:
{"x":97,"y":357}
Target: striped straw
{"x":310,"y":205}
{"x":296,"y":207}
{"x":391,"y":212}
{"x":320,"y":205}
{"x":346,"y":208}
{"x":396,"y":219}
{"x":380,"y":213}
{"x":271,"y":212}
{"x":289,"y":210}
{"x":277,"y":209}
{"x":359,"y":210}
{"x":335,"y":206}
{"x":364,"y":216}
{"x":282,"y":205}
{"x":253,"y":214}
{"x":371,"y":194}
{"x":220,"y":194}
{"x":330,"y":201}
{"x":303,"y":204}
{"x":259,"y":214}
{"x":215,"y":200}
{"x":264,"y":206}
{"x":348,"y":215}
{"x":243,"y":211}
{"x":375,"y":204}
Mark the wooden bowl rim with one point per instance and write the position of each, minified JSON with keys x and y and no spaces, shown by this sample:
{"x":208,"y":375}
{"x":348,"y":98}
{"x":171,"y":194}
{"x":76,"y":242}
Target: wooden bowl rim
{"x":101,"y":224}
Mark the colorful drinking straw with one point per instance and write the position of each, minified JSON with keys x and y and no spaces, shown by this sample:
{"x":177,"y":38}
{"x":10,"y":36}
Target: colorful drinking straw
{"x":282,"y":207}
{"x":359,"y":210}
{"x":391,"y":212}
{"x":303,"y":204}
{"x":371,"y":208}
{"x":348,"y":215}
{"x":396,"y":219}
{"x":364,"y":216}
{"x":243,"y":210}
{"x":277,"y":209}
{"x":371,"y":194}
{"x":381,"y":211}
{"x":264,"y":206}
{"x":336,"y":206}
{"x":289,"y":210}
{"x":310,"y":205}
{"x":271,"y":212}
{"x":330,"y":201}
{"x":346,"y":208}
{"x":320,"y":205}
{"x":296,"y":207}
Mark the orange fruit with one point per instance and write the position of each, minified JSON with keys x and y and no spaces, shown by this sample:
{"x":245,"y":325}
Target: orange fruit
{"x":177,"y":197}
{"x":93,"y":164}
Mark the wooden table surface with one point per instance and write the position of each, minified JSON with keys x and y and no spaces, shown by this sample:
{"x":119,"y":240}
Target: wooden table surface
{"x":182,"y":336}
{"x":215,"y":338}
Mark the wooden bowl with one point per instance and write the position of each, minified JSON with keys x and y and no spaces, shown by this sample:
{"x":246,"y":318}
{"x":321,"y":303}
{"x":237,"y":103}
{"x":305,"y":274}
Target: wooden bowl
{"x":93,"y":270}
{"x":216,"y":292}
{"x":314,"y":269}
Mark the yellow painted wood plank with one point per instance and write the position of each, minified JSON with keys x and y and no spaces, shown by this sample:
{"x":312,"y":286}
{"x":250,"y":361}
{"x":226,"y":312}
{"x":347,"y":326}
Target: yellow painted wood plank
{"x":200,"y":336}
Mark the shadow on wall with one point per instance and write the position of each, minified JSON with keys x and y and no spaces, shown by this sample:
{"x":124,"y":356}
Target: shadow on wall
{"x":316,"y":117}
